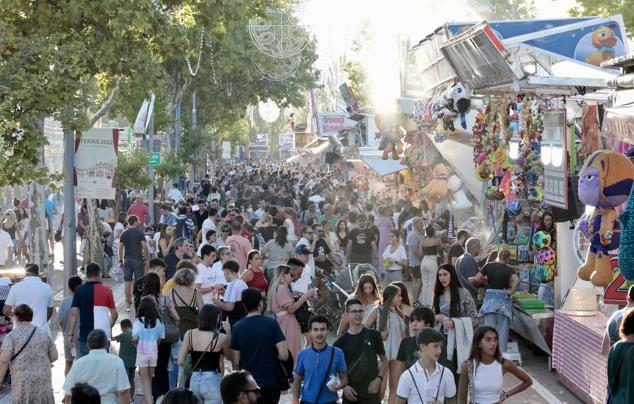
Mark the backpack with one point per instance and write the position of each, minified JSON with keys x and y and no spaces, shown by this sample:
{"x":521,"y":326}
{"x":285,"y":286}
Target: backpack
{"x":182,"y":230}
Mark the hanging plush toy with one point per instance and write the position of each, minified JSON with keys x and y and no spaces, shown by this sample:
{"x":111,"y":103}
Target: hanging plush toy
{"x":391,"y":142}
{"x":460,"y":200}
{"x":545,"y":268}
{"x":605,"y":181}
{"x":437,"y":188}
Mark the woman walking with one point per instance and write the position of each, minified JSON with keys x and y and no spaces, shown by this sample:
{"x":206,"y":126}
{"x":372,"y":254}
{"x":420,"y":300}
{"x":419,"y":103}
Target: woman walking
{"x":29,"y":353}
{"x":431,"y":248}
{"x":277,"y":252}
{"x":501,"y":282}
{"x":147,"y":333}
{"x":389,"y":320}
{"x":451,"y":302}
{"x":253,"y":275}
{"x":482,"y":375}
{"x":394,"y":259}
{"x":342,"y":237}
{"x":369,"y":295}
{"x":12,"y":227}
{"x":206,"y":346}
{"x":385,"y":226}
{"x":165,"y":241}
{"x":283,"y":304}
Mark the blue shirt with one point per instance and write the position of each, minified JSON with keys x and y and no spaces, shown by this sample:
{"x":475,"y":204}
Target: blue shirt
{"x":256,"y":338}
{"x":312,"y":366}
{"x":50,"y":208}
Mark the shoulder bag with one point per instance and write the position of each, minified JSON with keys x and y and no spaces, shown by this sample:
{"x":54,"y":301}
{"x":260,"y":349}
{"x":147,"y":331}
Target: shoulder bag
{"x":302,"y":315}
{"x":210,"y":348}
{"x":171,"y":329}
{"x":471,"y":376}
{"x":23,"y":346}
{"x":356,"y":371}
{"x":323,"y":382}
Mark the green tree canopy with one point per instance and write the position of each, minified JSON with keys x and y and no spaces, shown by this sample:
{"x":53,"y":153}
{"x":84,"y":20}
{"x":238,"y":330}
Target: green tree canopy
{"x":606,"y":8}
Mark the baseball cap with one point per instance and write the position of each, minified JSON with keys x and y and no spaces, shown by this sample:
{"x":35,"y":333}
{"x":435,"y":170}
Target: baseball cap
{"x":302,"y":249}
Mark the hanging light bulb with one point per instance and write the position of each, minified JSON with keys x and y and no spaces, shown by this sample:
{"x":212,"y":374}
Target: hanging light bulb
{"x":557,"y":156}
{"x":546,"y":154}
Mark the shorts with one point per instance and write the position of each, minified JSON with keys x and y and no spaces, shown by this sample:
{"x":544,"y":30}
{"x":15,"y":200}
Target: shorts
{"x":416,"y":272}
{"x":133,"y":266}
{"x":67,"y":349}
{"x":130,"y":373}
{"x":146,"y":360}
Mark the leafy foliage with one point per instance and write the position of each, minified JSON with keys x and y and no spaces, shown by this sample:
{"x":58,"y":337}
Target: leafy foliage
{"x":606,"y":8}
{"x":132,"y":169}
{"x":171,"y":167}
{"x":508,"y":9}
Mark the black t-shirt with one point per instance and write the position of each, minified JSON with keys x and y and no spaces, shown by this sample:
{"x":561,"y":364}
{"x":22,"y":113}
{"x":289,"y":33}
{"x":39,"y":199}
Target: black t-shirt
{"x":137,"y":291}
{"x":367,"y":342}
{"x":455,"y":250}
{"x":322,"y":250}
{"x":408,"y":352}
{"x":361,"y":251}
{"x":498,"y":275}
{"x":132,"y":239}
{"x":171,"y":261}
{"x":268,"y":232}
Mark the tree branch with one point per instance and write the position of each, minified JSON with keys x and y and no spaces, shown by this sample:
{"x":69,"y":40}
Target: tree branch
{"x":108,"y":104}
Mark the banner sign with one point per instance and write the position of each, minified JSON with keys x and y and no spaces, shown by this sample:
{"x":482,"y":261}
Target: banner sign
{"x":261,"y":139}
{"x":287,"y":140}
{"x":143,"y":117}
{"x":331,"y":123}
{"x":96,"y":163}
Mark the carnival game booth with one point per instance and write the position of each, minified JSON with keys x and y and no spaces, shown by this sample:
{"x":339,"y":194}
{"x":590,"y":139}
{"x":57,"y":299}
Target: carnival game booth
{"x":541,"y":87}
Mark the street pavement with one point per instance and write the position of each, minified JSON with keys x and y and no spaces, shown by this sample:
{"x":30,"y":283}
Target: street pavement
{"x":546,"y":389}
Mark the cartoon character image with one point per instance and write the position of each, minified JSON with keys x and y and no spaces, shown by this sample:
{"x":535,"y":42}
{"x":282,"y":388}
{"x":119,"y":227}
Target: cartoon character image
{"x":604,"y":40}
{"x":605,"y":181}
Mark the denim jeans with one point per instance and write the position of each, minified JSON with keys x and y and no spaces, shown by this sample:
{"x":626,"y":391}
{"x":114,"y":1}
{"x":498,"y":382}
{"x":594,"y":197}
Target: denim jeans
{"x":173,"y":367}
{"x":207,"y":386}
{"x":501,"y":323}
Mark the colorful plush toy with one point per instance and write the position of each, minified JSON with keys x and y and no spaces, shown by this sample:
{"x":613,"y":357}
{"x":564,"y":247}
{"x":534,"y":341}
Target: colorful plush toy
{"x":437,"y":188}
{"x":605,"y":181}
{"x":391,"y":142}
{"x":460,"y":200}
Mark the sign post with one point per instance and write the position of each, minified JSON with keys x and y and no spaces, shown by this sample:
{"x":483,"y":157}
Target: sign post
{"x":155,"y":159}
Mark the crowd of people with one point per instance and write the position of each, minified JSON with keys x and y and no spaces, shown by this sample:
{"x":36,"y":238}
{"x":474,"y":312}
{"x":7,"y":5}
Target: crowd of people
{"x":227,"y":280}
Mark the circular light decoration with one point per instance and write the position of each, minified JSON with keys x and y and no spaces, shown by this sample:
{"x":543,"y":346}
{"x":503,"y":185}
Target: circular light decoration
{"x":268,"y":111}
{"x":279,"y":37}
{"x":282,"y":71}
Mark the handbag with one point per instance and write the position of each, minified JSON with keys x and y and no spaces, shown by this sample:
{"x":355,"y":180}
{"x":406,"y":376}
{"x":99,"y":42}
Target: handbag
{"x":302,"y":315}
{"x":171,"y":329}
{"x":285,"y":373}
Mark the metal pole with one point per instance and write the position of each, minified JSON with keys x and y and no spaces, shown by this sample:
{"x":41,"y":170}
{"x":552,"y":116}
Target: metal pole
{"x":177,"y":136}
{"x":69,"y":243}
{"x":150,"y":170}
{"x":194,"y":127}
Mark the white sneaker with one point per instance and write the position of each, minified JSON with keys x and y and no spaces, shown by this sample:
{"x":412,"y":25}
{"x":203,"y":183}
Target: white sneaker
{"x":128,"y":307}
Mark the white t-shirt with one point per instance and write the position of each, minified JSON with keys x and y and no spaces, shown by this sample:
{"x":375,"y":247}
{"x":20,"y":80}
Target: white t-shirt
{"x":290,"y":226}
{"x":208,"y":224}
{"x":118,"y":227}
{"x":5,"y":242}
{"x":397,"y":257}
{"x":175,"y":195}
{"x":37,"y":295}
{"x":440,"y":383}
{"x":209,"y":277}
{"x":234,"y":290}
{"x":304,"y":282}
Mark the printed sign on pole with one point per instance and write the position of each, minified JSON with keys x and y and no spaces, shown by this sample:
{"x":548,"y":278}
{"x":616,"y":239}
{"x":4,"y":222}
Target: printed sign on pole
{"x":96,"y":163}
{"x":331,"y":123}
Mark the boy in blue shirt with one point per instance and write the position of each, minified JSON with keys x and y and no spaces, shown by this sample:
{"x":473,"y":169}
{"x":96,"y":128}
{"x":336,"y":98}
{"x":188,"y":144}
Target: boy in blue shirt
{"x":318,"y":366}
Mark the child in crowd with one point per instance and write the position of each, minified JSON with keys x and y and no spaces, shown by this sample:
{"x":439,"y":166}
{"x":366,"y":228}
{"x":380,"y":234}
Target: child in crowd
{"x":151,"y":243}
{"x":127,"y":352}
{"x":147,"y":333}
{"x":408,"y":354}
{"x":427,"y":381}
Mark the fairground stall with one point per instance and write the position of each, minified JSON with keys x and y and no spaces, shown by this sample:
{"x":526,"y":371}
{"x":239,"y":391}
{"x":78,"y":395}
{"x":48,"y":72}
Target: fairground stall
{"x":524,"y":98}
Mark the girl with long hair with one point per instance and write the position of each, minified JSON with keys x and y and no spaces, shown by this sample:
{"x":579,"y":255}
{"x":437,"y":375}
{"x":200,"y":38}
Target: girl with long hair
{"x":165,"y":240}
{"x":12,"y":227}
{"x":22,"y":248}
{"x":394,"y":258}
{"x":207,"y":346}
{"x":341,"y":232}
{"x":389,"y":320}
{"x":451,"y":302}
{"x":277,"y":252}
{"x":368,"y":293}
{"x":406,"y":305}
{"x":283,"y":304}
{"x":253,"y":275}
{"x":482,"y":375}
{"x":147,"y":333}
{"x":547,"y":225}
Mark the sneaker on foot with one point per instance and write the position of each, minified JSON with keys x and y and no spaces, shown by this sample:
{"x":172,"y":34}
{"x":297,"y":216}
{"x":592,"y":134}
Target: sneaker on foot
{"x":128,"y":307}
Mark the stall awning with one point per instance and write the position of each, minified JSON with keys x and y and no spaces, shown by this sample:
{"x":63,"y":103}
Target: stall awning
{"x":314,"y":148}
{"x":384,"y":167}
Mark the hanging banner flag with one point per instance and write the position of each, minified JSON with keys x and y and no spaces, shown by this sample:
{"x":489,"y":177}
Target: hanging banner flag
{"x":331,"y":123}
{"x":96,"y":163}
{"x":145,"y":113}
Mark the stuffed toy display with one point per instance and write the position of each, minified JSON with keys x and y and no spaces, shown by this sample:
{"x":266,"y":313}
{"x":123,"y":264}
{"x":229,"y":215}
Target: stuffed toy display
{"x":437,"y":188}
{"x":391,"y":142}
{"x":460,"y":200}
{"x":605,"y":181}
{"x":415,"y":154}
{"x":546,"y":267}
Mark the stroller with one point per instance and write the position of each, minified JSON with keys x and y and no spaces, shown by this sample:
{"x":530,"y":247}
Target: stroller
{"x":336,"y":287}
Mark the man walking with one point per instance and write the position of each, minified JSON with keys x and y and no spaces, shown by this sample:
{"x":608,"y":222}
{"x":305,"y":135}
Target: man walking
{"x":139,"y":209}
{"x":361,"y":242}
{"x":320,"y":369}
{"x":239,"y":245}
{"x":36,"y":294}
{"x":172,"y":259}
{"x":611,"y":335}
{"x":101,"y":370}
{"x":361,"y":347}
{"x":93,"y":303}
{"x":258,"y":343}
{"x":467,"y":267}
{"x":133,"y":256}
{"x":457,"y":248}
{"x":415,"y":253}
